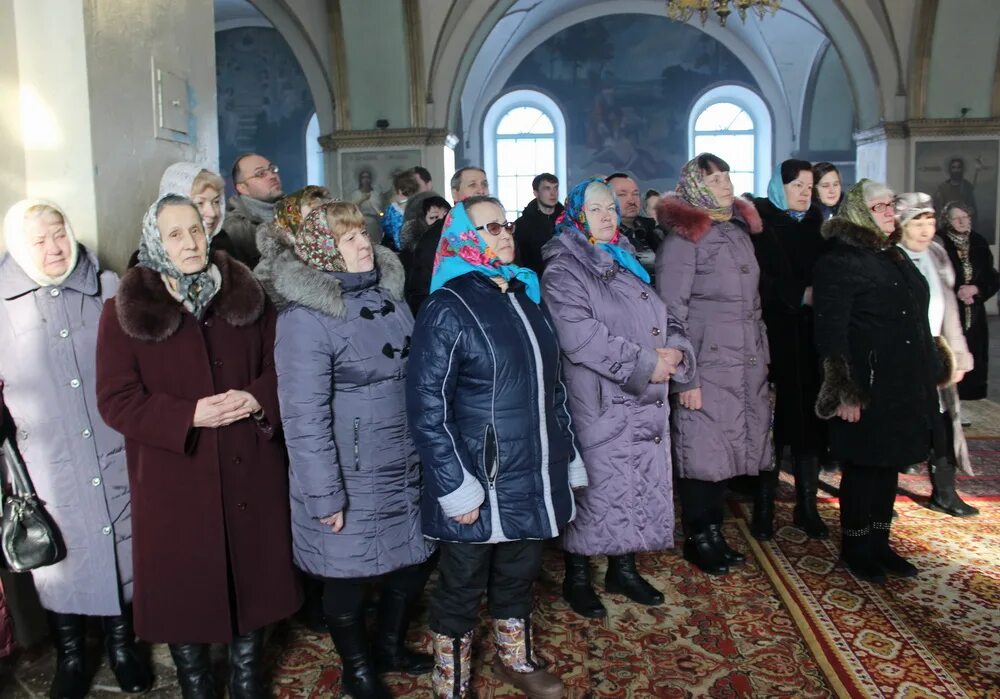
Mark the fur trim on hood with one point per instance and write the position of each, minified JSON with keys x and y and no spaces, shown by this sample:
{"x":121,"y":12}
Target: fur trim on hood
{"x":849,"y":233}
{"x":147,"y":311}
{"x":692,"y":223}
{"x":290,"y":281}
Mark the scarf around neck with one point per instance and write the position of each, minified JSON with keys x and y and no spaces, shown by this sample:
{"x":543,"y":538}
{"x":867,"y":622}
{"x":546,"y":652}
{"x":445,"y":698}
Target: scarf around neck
{"x":573,"y":221}
{"x":259,"y":211}
{"x":195,"y":291}
{"x":463,"y":250}
{"x":691,"y":188}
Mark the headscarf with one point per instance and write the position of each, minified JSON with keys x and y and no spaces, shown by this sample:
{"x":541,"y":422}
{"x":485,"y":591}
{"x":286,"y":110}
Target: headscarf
{"x":776,"y":195}
{"x":195,"y":291}
{"x":16,"y":239}
{"x":315,"y":243}
{"x":573,"y":221}
{"x":963,"y":248}
{"x":288,"y":210}
{"x":691,"y":188}
{"x":179,"y":179}
{"x":463,"y":250}
{"x":855,"y":209}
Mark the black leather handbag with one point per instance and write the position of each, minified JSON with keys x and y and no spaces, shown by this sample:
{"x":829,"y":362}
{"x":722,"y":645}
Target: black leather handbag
{"x":28,"y":537}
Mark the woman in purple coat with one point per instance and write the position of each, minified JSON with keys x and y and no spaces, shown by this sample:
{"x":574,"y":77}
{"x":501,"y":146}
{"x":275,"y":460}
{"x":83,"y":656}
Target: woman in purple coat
{"x":621,"y":347}
{"x":707,"y":274}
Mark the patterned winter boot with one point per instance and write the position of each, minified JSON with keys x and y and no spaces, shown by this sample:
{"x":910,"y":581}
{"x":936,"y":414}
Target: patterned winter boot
{"x":515,"y":661}
{"x":452,"y":666}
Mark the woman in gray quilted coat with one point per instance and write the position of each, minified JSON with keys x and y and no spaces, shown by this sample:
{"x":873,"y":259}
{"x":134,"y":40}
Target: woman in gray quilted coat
{"x":343,"y":338}
{"x":621,"y":346}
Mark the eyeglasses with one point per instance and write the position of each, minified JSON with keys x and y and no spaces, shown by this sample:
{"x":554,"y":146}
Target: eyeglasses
{"x":262,"y":172}
{"x":881,"y":207}
{"x":493,"y":228}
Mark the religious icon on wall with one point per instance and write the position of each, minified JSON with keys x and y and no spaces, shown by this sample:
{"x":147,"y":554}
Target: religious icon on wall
{"x":961,"y":170}
{"x":366,"y":180}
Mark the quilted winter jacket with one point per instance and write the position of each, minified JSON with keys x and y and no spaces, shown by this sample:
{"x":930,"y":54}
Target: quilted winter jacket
{"x":488,"y":414}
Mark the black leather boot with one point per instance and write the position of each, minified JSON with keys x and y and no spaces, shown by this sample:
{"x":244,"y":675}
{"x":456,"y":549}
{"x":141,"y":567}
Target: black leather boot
{"x":578,"y":590}
{"x":359,"y":678}
{"x":730,"y":555}
{"x":246,"y":667}
{"x":944,"y":498}
{"x":391,"y":653}
{"x":699,"y":550}
{"x":805,"y":516}
{"x":890,"y":561}
{"x":762,"y":524}
{"x":69,"y":635}
{"x":857,"y":554}
{"x":623,"y":577}
{"x":194,"y":670}
{"x":131,"y":667}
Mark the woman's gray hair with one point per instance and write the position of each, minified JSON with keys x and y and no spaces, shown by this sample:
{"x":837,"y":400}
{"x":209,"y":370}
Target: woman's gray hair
{"x":175,"y":200}
{"x":596,"y":189}
{"x":876,"y":190}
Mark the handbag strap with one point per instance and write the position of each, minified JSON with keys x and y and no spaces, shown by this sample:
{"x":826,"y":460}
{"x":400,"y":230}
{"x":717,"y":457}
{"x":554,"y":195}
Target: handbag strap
{"x":17,"y":474}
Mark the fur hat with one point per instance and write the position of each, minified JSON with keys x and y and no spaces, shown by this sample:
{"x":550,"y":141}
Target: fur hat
{"x":912,"y":204}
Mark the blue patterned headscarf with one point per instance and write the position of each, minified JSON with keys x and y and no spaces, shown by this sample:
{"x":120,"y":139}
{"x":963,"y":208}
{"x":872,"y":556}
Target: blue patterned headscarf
{"x":776,"y":195}
{"x":573,"y":221}
{"x":463,"y":250}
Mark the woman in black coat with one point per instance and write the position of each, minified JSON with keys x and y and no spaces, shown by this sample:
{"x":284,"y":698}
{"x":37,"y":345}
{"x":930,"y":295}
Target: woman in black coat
{"x":976,"y":282}
{"x":787,"y":250}
{"x":880,"y":372}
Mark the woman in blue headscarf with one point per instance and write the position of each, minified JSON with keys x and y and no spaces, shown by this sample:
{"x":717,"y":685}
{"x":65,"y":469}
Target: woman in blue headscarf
{"x":488,"y":415}
{"x":621,"y":346}
{"x":786,"y":251}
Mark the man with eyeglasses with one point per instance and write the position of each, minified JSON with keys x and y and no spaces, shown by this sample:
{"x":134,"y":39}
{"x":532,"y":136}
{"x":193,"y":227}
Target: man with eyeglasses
{"x":258,"y":187}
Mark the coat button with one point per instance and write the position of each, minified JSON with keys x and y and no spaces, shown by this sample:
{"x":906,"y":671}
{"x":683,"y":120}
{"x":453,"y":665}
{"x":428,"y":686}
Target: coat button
{"x":95,"y":481}
{"x":659,"y":403}
{"x":753,"y":361}
{"x":207,"y":322}
{"x":86,"y":434}
{"x":657,"y":439}
{"x":904,"y":313}
{"x":54,"y":292}
{"x":656,"y":331}
{"x":106,"y":531}
{"x":644,"y":296}
{"x":64,"y":333}
{"x":217,"y":362}
{"x":241,"y":506}
{"x":237,"y":460}
{"x":75,"y":383}
{"x":744,"y":269}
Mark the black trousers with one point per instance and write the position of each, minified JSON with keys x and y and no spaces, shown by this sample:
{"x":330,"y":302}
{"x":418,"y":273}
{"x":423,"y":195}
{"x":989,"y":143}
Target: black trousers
{"x":342,"y":596}
{"x":505,"y":571}
{"x":702,"y":503}
{"x":867,"y":494}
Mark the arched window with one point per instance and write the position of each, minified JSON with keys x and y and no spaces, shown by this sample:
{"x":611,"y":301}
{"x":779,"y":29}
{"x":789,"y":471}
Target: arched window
{"x":733,"y":123}
{"x":524,"y":134}
{"x":315,"y":174}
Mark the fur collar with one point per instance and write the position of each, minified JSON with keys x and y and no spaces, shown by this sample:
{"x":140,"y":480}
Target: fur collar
{"x":849,"y":233}
{"x":692,"y":223}
{"x":147,"y":311}
{"x":290,"y":281}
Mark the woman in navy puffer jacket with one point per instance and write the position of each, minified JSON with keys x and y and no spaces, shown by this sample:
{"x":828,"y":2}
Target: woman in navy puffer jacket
{"x":488,"y":414}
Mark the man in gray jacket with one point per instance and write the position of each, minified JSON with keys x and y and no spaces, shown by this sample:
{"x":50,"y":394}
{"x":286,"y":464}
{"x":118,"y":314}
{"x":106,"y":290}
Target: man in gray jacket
{"x":258,"y":187}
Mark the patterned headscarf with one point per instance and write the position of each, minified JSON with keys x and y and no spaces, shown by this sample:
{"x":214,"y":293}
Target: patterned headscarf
{"x":315,"y":244}
{"x":16,"y":239}
{"x":288,"y":211}
{"x":573,"y":221}
{"x":691,"y":188}
{"x":463,"y":250}
{"x":855,"y":209}
{"x":195,"y":290}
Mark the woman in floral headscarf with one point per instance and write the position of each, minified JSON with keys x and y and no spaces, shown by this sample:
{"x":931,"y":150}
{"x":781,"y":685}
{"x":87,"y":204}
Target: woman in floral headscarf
{"x":185,"y":373}
{"x":707,"y":274}
{"x":488,"y":414}
{"x":278,"y":235}
{"x":621,"y":347}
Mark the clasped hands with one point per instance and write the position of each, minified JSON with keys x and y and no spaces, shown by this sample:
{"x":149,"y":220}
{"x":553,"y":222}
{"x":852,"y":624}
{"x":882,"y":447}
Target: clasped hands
{"x":668,"y":360}
{"x":224,"y":409}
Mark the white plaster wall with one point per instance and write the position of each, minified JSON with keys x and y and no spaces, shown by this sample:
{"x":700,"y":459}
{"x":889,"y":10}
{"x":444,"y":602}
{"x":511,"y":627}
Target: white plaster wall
{"x":12,"y":184}
{"x":831,"y":117}
{"x":315,"y":20}
{"x":377,"y":68}
{"x":963,"y":58}
{"x":122,"y":37}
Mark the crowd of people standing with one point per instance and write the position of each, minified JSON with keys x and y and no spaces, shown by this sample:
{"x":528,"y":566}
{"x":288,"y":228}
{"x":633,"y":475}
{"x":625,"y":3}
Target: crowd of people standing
{"x":277,"y":396}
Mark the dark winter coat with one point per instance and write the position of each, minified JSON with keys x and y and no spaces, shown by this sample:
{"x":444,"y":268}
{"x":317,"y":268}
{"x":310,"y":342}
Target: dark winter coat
{"x":48,"y":356}
{"x":532,"y":230}
{"x":341,"y":354}
{"x":212,"y":545}
{"x":876,"y":349}
{"x":646,"y":238}
{"x":610,"y":324}
{"x":421,"y":269}
{"x":487,"y":409}
{"x":986,"y":278}
{"x":240,"y":226}
{"x":786,"y":252}
{"x":707,"y":275}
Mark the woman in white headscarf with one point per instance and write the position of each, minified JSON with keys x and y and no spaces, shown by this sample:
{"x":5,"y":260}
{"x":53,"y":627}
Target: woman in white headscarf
{"x":52,"y":290}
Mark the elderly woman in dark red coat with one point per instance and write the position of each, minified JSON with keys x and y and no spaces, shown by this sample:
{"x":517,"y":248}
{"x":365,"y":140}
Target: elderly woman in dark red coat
{"x":185,"y":371}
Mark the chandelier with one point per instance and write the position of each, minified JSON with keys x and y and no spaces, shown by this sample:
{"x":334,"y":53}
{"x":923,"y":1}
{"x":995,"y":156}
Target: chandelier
{"x":683,"y":10}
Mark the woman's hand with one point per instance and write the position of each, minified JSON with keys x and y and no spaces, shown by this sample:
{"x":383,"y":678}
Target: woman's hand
{"x":691,"y":399}
{"x":967,"y":293}
{"x":468,"y":517}
{"x":807,"y":296}
{"x":334,"y":521}
{"x":849,"y":413}
{"x":661,"y":372}
{"x":673,"y":356}
{"x":248,"y":397}
{"x":221,"y":410}
{"x":957,"y":376}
